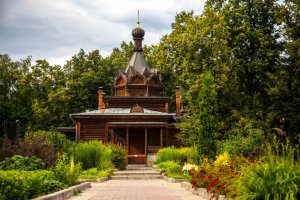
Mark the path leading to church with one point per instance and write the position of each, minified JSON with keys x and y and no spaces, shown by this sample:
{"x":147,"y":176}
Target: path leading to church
{"x":136,"y":190}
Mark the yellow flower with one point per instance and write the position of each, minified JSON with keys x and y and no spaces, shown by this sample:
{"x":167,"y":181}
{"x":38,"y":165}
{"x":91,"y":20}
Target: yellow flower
{"x":72,"y":165}
{"x":222,"y":159}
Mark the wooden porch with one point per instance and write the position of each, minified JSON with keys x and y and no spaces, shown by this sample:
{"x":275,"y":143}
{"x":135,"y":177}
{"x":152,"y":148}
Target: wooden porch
{"x":137,"y":141}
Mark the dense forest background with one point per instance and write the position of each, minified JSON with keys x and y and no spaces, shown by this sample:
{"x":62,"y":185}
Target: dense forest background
{"x":250,"y":50}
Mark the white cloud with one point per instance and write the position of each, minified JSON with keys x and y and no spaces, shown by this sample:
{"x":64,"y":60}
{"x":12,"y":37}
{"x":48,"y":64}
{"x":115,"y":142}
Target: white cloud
{"x":56,"y":30}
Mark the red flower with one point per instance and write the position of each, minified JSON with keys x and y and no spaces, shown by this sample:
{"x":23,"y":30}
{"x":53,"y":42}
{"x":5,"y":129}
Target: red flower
{"x":214,"y":182}
{"x":194,"y":183}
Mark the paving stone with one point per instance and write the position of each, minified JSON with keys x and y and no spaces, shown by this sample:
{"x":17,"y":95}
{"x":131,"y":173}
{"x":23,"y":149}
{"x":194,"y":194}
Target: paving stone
{"x":136,"y":190}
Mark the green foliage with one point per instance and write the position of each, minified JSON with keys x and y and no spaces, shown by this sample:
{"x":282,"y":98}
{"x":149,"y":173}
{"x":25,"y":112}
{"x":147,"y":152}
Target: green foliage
{"x":22,"y":163}
{"x":208,"y":118}
{"x":92,"y":154}
{"x":171,"y":168}
{"x":173,"y":154}
{"x":15,"y":184}
{"x":59,"y":140}
{"x":118,"y":157}
{"x":276,"y":177}
{"x":94,"y":173}
{"x":242,"y":143}
{"x":85,"y":72}
{"x":33,"y":144}
{"x":65,"y":170}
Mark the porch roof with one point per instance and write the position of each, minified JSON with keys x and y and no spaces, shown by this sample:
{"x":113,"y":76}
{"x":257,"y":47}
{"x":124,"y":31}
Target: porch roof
{"x":137,"y":123}
{"x":122,"y":111}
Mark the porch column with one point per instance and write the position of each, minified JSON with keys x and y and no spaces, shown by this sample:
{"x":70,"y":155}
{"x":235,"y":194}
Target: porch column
{"x":161,"y":137}
{"x":146,"y":139}
{"x":77,"y":131}
{"x":113,"y":137}
{"x":106,"y":133}
{"x":167,"y":137}
{"x":127,"y":140}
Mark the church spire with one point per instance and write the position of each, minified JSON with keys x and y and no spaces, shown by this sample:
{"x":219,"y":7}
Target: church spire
{"x":138,"y":35}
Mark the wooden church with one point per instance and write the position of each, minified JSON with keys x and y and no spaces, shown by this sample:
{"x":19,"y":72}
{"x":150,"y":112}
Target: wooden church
{"x":136,"y":117}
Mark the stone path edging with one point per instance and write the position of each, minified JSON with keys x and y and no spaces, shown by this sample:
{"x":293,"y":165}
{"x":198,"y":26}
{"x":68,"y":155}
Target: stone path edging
{"x":66,"y":193}
{"x":201,"y":192}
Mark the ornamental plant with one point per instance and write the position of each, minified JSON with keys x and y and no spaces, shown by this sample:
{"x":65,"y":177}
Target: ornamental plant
{"x":23,"y":185}
{"x":118,"y":157}
{"x":66,"y":171}
{"x":179,"y":155}
{"x":172,"y":169}
{"x":276,"y":177}
{"x":218,"y":177}
{"x":22,"y":163}
{"x":91,"y":154}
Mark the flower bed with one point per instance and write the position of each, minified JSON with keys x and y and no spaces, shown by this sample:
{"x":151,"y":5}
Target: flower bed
{"x":217,"y":177}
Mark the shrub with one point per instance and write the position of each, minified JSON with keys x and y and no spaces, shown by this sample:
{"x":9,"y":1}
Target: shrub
{"x":276,"y":177}
{"x":172,"y":154}
{"x":243,"y":144}
{"x":171,"y":168}
{"x":15,"y":184}
{"x":38,"y":145}
{"x":42,"y":144}
{"x":118,"y":157}
{"x":22,"y":163}
{"x":59,"y":140}
{"x":94,"y":173}
{"x":92,"y":154}
{"x":66,"y":171}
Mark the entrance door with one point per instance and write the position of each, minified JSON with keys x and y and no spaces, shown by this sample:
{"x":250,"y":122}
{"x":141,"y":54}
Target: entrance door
{"x":136,"y":141}
{"x":136,"y":154}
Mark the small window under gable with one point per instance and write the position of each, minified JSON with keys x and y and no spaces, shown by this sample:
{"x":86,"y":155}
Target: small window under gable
{"x":136,"y":109}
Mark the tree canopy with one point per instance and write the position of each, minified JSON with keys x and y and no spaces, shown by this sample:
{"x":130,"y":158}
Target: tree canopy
{"x":250,"y":48}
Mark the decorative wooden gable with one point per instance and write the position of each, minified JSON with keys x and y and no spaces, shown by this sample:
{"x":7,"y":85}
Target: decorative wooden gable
{"x":136,"y":109}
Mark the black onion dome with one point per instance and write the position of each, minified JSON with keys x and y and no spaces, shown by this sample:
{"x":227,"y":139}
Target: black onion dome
{"x":138,"y":33}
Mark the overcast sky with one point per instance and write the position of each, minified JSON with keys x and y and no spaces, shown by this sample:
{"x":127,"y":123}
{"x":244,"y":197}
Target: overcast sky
{"x":55,"y":30}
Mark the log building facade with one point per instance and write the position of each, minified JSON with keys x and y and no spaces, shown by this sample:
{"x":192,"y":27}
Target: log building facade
{"x":136,"y":117}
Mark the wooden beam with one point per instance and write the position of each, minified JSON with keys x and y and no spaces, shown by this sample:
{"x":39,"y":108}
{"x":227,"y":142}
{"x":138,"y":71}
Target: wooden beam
{"x":106,"y":133}
{"x":77,"y":131}
{"x":113,"y":137}
{"x":127,"y":140}
{"x":167,"y":137}
{"x":161,"y":137}
{"x":146,"y":139}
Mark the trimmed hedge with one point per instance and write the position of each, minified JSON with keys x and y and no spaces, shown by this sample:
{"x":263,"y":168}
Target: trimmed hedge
{"x":22,"y":185}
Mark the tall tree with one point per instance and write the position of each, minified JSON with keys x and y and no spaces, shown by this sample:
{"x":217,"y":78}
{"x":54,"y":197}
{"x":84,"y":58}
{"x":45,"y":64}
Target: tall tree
{"x":208,"y":118}
{"x":196,"y":45}
{"x":85,"y":73}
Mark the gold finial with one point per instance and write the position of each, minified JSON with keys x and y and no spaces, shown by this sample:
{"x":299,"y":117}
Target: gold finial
{"x":138,"y":25}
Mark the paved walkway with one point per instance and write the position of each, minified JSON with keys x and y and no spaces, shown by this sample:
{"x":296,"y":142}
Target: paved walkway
{"x":136,"y":190}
